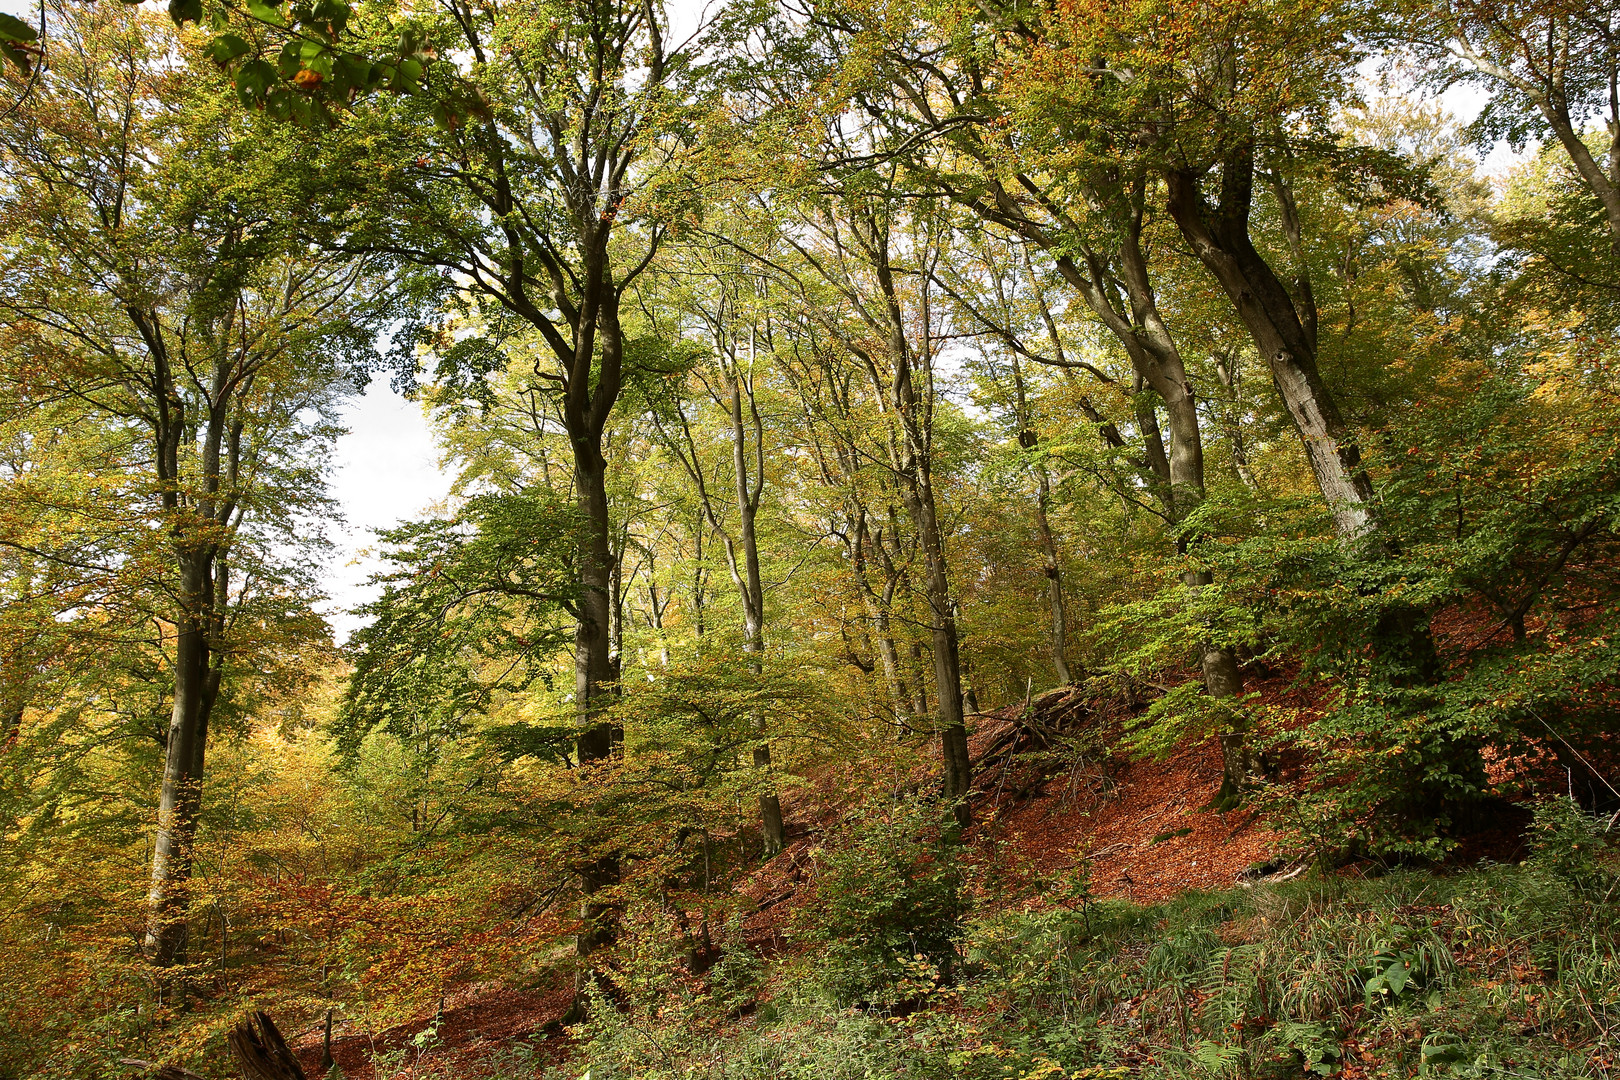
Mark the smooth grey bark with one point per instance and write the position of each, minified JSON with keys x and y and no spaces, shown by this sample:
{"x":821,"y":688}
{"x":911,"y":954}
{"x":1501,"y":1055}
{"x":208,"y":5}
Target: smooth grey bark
{"x":1116,"y":285}
{"x":1284,"y":334}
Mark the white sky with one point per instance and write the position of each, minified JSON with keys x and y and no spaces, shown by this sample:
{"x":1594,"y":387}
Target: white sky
{"x":386,"y":471}
{"x":386,"y":468}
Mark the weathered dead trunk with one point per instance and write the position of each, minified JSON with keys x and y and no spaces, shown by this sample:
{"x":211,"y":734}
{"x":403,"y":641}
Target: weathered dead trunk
{"x":260,"y":1052}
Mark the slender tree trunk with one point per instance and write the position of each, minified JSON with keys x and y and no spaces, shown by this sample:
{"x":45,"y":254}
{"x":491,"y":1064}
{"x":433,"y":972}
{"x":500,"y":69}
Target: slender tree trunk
{"x":1232,"y":421}
{"x":1054,"y":581}
{"x":914,"y":469}
{"x":958,"y":770}
{"x":655,"y":617}
{"x":878,"y":607}
{"x":753,"y":591}
{"x":1029,"y":439}
{"x":616,"y":616}
{"x":195,"y":686}
{"x":919,"y":688}
{"x":700,"y":589}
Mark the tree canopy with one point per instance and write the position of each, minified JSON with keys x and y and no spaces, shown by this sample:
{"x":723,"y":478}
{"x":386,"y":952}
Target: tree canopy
{"x":864,"y":420}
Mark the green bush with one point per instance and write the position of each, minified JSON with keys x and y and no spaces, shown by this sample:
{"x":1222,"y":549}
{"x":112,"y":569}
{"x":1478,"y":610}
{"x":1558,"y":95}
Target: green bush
{"x":889,"y":905}
{"x":1502,"y":971}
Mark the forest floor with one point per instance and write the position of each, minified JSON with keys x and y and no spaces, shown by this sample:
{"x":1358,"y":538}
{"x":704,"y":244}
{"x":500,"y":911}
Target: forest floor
{"x":1048,"y":801}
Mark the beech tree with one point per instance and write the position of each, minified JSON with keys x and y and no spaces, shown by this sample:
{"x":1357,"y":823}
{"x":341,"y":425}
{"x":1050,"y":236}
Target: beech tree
{"x":155,"y":289}
{"x":525,"y":176}
{"x":721,"y":296}
{"x":949,"y":112}
{"x":871,"y":257}
{"x":1551,"y":66}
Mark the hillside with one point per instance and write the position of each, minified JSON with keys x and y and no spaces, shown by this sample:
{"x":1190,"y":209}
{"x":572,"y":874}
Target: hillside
{"x":1149,"y":844}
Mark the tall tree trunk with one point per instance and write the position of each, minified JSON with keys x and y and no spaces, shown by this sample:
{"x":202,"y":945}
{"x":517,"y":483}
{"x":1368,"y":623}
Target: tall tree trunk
{"x":958,"y":770}
{"x":597,"y":347}
{"x":195,"y":686}
{"x":913,"y":466}
{"x":752,"y":588}
{"x":1135,"y":320}
{"x":1283,"y":327}
{"x":1285,"y":334}
{"x":919,"y":688}
{"x":1054,"y":581}
{"x":593,"y":674}
{"x":1029,"y":439}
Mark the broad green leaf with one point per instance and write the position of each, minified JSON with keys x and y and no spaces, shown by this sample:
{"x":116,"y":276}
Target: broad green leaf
{"x":227,"y":47}
{"x":14,"y":29}
{"x":265,"y":13}
{"x":184,"y":11}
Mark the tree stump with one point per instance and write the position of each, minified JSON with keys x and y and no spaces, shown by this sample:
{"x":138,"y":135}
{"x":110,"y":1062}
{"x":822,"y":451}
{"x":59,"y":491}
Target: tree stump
{"x":260,"y":1051}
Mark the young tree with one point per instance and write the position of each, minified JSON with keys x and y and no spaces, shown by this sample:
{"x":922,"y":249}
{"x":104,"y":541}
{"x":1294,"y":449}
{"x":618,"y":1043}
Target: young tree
{"x":871,"y":256}
{"x":719,"y":296}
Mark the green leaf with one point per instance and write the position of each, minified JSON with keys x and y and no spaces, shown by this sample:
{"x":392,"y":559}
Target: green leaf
{"x":279,"y":103}
{"x":288,"y":61}
{"x":184,"y":11}
{"x":227,"y":47}
{"x":265,"y":13}
{"x":254,"y":80}
{"x":14,"y":29}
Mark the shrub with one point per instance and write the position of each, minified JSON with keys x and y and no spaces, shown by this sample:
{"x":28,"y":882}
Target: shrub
{"x":889,"y":905}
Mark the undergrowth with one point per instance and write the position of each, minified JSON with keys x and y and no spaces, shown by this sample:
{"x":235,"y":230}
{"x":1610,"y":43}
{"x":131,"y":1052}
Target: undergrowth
{"x":1500,"y":971}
